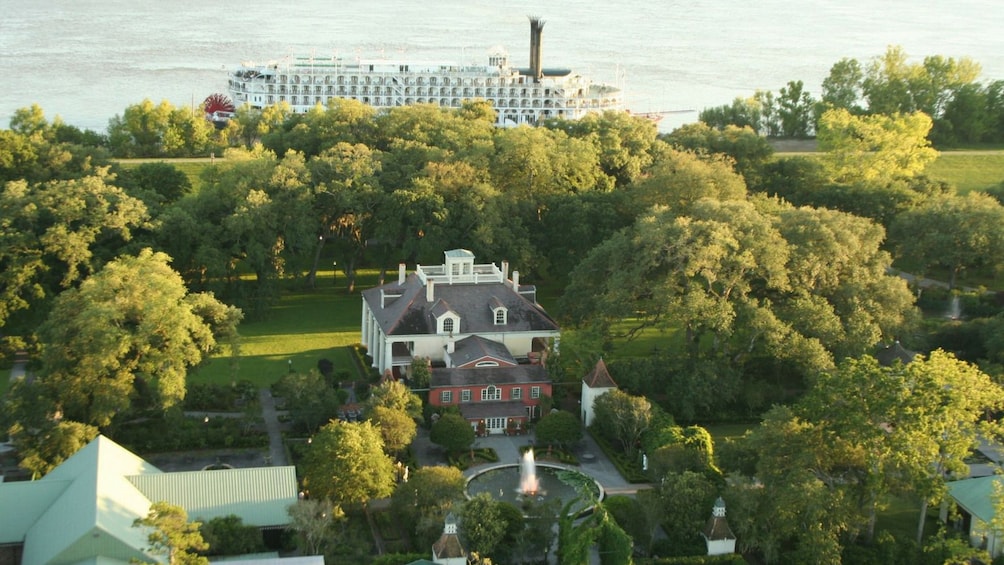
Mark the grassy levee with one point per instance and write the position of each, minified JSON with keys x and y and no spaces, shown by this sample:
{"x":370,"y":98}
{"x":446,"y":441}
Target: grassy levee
{"x":966,"y":170}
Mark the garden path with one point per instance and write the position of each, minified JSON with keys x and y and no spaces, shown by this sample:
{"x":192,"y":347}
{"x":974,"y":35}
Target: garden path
{"x":276,"y":451}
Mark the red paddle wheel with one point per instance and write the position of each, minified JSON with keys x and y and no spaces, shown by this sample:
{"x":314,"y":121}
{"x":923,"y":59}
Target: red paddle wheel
{"x":218,"y":108}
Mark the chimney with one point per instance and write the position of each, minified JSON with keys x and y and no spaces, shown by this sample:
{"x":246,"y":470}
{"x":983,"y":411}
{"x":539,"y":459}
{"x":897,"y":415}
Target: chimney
{"x":515,"y":281}
{"x":536,"y":32}
{"x":450,"y":346}
{"x":400,"y":274}
{"x":429,"y":290}
{"x":505,"y":270}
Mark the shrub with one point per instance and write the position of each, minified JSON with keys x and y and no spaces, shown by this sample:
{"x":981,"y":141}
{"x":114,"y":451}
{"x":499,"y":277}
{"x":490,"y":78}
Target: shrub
{"x":155,"y":435}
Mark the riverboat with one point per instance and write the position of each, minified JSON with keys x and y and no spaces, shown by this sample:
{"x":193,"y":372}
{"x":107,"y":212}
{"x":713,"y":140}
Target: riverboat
{"x":518,"y":95}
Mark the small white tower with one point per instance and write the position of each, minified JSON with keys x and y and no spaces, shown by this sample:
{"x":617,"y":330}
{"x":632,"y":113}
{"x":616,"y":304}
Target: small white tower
{"x":717,"y":533}
{"x":597,"y":383}
{"x":447,"y":549}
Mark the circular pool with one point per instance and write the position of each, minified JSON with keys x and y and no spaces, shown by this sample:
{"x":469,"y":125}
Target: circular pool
{"x":555,"y":483}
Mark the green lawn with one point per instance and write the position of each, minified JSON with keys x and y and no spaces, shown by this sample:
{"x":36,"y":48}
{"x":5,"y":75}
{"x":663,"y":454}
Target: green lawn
{"x":969,"y":171}
{"x":722,"y":432}
{"x":305,"y":326}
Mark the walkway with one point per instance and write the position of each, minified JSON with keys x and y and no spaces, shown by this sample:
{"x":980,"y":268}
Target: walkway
{"x":276,"y":449}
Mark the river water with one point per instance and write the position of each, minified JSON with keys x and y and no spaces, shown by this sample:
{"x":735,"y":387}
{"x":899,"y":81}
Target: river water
{"x":86,"y":61}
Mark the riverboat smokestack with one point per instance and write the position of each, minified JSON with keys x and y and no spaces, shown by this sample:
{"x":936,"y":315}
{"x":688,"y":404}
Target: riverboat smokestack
{"x":536,"y":32}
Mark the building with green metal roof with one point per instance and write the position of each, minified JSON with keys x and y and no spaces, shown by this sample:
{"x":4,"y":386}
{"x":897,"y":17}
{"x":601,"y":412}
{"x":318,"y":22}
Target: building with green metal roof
{"x":975,"y":499}
{"x":83,"y":511}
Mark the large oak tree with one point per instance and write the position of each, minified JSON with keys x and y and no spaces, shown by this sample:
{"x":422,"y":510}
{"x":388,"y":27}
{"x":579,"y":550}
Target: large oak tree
{"x":129,"y":334}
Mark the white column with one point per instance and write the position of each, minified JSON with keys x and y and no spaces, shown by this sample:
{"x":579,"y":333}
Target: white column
{"x":388,"y":358}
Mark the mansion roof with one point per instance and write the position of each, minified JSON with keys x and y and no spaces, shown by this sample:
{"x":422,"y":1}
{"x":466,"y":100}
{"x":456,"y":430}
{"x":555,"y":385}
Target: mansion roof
{"x":483,"y":376}
{"x":403,"y":309}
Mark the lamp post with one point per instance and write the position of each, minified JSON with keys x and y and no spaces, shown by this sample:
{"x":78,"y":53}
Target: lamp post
{"x":334,"y":273}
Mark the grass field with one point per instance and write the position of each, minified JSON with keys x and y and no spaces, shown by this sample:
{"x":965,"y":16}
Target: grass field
{"x":305,"y":326}
{"x":969,"y":170}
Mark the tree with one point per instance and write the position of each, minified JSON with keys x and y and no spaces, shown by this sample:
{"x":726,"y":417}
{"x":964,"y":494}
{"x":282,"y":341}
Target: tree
{"x":148,"y":130}
{"x":743,"y":112}
{"x":45,"y":447}
{"x":55,"y":234}
{"x":482,"y":525}
{"x":874,"y":148}
{"x":395,"y":396}
{"x":561,"y":427}
{"x":452,"y":432}
{"x":139,"y":132}
{"x":537,"y":534}
{"x":866,"y":431}
{"x":421,"y":372}
{"x":795,"y":107}
{"x":311,"y":401}
{"x":172,"y":535}
{"x":396,"y":428}
{"x":531,"y":162}
{"x":954,"y":232}
{"x":346,"y":463}
{"x":750,"y":152}
{"x":346,"y":197}
{"x":842,"y":87}
{"x":129,"y":331}
{"x":770,"y":513}
{"x":950,"y":401}
{"x":623,"y":418}
{"x":624,"y":142}
{"x":228,"y":535}
{"x":253,"y":214}
{"x":892,"y":85}
{"x":641,"y":516}
{"x":313,"y":521}
{"x":426,"y":498}
{"x":679,"y":179}
{"x":740,"y":286}
{"x":156,"y":183}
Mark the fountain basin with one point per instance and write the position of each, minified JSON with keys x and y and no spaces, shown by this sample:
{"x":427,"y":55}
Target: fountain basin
{"x":502,"y":482}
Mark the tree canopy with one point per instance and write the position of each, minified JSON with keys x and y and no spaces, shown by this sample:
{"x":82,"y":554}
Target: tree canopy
{"x":172,"y":535}
{"x":346,"y":464}
{"x":128,"y":334}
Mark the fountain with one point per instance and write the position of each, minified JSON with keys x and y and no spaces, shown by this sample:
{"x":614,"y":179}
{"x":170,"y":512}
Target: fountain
{"x":528,"y":482}
{"x":954,"y":308}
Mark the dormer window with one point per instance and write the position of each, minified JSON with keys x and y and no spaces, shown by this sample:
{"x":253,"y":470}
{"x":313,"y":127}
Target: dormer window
{"x":447,"y":321}
{"x":499,"y":311}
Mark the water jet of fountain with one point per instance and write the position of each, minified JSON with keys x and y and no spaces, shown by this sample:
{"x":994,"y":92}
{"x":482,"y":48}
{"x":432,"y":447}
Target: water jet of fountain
{"x":954,"y":308}
{"x":528,"y":482}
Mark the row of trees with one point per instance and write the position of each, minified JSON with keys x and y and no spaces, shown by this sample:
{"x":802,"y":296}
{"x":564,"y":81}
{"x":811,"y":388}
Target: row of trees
{"x":406,"y":184}
{"x":945,"y":89}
